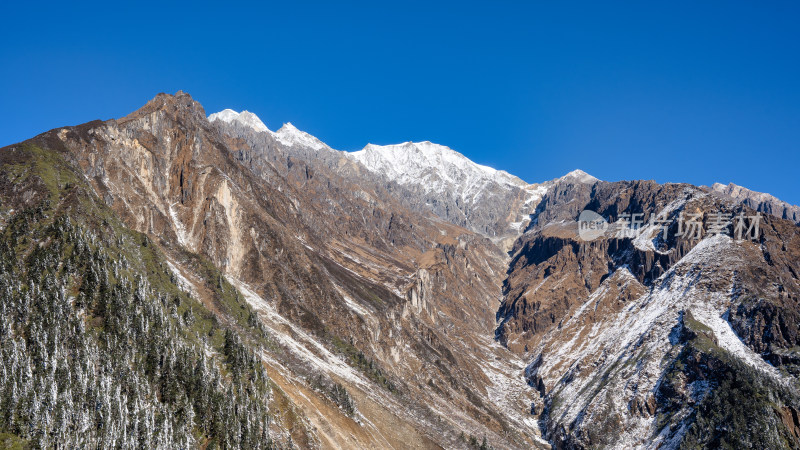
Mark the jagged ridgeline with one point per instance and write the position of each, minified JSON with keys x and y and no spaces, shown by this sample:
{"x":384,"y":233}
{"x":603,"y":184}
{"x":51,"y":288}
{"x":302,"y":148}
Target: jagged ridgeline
{"x":176,"y":280}
{"x":99,"y":347}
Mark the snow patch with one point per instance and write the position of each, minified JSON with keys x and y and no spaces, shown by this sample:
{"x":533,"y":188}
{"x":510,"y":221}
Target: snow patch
{"x":182,"y":281}
{"x":728,"y":340}
{"x":352,"y":304}
{"x":180,"y":229}
{"x":298,"y":342}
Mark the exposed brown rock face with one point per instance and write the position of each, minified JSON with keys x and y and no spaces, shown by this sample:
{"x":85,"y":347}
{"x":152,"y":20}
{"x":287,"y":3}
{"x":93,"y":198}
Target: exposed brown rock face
{"x":534,"y":300}
{"x":789,"y":416}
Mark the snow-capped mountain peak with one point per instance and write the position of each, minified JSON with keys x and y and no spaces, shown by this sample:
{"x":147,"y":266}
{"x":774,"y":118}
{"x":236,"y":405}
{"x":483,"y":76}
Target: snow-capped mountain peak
{"x":245,"y":118}
{"x":289,"y":135}
{"x":430,"y":164}
{"x":455,"y":187}
{"x":579,"y":176}
{"x":288,"y":127}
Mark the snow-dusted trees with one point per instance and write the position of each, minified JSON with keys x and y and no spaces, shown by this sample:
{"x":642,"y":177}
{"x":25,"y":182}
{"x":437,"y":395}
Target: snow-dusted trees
{"x":93,"y":352}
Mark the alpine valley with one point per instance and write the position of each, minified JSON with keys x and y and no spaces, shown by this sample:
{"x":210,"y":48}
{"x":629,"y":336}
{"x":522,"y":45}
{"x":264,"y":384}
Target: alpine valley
{"x":173,"y":279}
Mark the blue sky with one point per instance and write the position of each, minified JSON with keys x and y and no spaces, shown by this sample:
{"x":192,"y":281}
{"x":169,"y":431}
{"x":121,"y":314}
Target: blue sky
{"x":694,"y":92}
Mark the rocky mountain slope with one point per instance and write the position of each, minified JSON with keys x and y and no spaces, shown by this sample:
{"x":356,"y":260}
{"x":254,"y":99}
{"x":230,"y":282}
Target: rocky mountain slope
{"x":643,"y":341}
{"x":426,"y":177}
{"x":394,"y":297}
{"x":102,"y":346}
{"x":759,"y":201}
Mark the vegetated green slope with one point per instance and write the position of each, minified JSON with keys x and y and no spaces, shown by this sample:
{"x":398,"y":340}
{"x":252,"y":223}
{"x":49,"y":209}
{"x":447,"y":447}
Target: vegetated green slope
{"x":735,"y":406}
{"x":99,"y":347}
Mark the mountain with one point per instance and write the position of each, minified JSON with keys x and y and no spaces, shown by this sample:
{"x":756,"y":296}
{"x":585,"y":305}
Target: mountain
{"x":103,"y":342}
{"x":245,"y":118}
{"x":430,"y":177}
{"x":667,"y":342}
{"x":172,"y":279}
{"x":358,"y":303}
{"x":488,"y":201}
{"x":287,"y":135}
{"x":759,"y":201}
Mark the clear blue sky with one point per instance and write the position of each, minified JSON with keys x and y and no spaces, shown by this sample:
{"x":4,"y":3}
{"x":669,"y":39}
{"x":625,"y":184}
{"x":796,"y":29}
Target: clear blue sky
{"x":673,"y":91}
